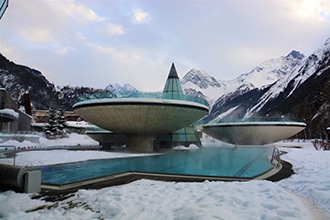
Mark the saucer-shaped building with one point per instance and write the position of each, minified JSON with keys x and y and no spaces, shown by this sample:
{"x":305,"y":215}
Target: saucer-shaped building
{"x":143,"y":117}
{"x":251,"y":132}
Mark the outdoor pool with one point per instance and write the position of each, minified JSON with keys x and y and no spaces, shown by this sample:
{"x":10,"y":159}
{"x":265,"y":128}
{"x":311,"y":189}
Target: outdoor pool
{"x":246,"y":162}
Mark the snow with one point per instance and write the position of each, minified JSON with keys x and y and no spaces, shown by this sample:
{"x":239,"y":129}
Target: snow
{"x":312,"y":179}
{"x":226,"y":113}
{"x":263,"y":75}
{"x":212,"y":93}
{"x":298,"y":74}
{"x":271,"y":77}
{"x":11,"y":112}
{"x":304,"y":195}
{"x":77,"y":124}
{"x":125,"y":89}
{"x":270,"y":71}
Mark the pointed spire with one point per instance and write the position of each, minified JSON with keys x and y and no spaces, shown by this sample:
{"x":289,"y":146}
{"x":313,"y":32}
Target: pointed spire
{"x":172,"y":89}
{"x":173,"y":73}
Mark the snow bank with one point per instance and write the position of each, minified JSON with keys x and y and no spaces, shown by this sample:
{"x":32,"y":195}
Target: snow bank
{"x":312,"y":178}
{"x":146,"y":199}
{"x":73,"y":139}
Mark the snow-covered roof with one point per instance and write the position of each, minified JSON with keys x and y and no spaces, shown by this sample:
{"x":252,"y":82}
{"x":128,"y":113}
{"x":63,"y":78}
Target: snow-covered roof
{"x":9,"y":113}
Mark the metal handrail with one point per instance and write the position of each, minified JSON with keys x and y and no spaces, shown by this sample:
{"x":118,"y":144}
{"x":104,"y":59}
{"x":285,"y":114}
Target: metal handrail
{"x":276,"y":157}
{"x":261,"y":119}
{"x":154,"y":95}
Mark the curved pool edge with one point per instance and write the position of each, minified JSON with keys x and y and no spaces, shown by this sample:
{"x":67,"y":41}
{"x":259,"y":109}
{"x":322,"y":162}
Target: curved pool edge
{"x":273,"y":171}
{"x":127,"y":177}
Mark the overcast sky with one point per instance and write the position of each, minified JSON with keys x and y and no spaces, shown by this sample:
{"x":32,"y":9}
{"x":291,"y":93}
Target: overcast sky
{"x":97,"y":42}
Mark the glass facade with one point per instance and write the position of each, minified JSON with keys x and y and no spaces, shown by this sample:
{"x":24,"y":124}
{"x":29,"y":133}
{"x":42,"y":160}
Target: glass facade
{"x":3,"y":7}
{"x":173,"y":90}
{"x":150,"y":95}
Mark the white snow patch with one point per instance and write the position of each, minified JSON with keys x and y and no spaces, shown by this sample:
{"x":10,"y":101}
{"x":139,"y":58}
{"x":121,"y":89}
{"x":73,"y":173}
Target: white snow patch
{"x":228,"y":112}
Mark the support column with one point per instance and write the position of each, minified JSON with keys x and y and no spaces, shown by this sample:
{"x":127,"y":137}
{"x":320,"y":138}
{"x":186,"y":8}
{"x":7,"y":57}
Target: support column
{"x":140,"y":143}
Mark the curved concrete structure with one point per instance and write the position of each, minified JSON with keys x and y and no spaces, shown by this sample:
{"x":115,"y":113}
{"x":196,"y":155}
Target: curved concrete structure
{"x":253,"y":133}
{"x":140,"y":116}
{"x":142,"y":119}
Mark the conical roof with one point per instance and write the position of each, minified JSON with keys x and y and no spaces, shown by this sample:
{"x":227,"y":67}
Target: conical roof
{"x":173,"y":73}
{"x":173,"y":89}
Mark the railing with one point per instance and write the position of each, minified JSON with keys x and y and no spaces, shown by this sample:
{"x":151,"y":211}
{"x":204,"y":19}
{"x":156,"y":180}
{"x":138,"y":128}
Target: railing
{"x":153,"y":95}
{"x":20,"y":133}
{"x":262,"y":119}
{"x":276,"y":157}
{"x":5,"y":149}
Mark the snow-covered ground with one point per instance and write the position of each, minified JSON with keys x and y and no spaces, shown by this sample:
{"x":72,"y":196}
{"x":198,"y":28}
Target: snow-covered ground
{"x":73,"y":140}
{"x":304,"y":195}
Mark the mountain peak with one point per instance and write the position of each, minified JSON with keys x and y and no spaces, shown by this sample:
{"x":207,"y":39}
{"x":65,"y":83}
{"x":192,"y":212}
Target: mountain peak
{"x":295,"y":55}
{"x":113,"y":87}
{"x":271,"y":70}
{"x":200,"y":78}
{"x":125,"y":89}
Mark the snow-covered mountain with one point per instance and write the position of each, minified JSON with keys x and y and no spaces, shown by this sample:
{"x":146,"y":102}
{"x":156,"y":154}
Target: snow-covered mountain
{"x":126,"y":89}
{"x":199,"y":81}
{"x":263,"y":90}
{"x":317,"y":63}
{"x":271,"y":70}
{"x":200,"y":84}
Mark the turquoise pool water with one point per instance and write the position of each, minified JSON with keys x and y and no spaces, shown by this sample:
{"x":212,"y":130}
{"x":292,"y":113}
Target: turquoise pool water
{"x":215,"y":162}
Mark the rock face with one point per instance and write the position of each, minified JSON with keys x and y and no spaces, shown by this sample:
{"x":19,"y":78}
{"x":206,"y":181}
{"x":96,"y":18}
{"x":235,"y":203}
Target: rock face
{"x":19,"y":80}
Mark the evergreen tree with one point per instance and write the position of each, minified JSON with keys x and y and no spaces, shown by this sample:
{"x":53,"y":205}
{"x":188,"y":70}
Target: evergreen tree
{"x":51,"y":129}
{"x":56,"y":124}
{"x":62,"y":132}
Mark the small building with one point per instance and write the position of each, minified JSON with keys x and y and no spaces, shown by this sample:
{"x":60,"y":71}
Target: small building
{"x":41,"y":116}
{"x":12,"y":119}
